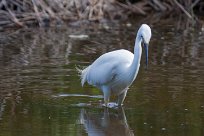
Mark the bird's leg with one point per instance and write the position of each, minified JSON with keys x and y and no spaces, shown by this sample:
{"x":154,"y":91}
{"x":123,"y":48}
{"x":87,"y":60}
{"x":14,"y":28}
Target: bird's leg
{"x":106,"y":103}
{"x":106,"y":99}
{"x":121,"y":97}
{"x":106,"y":93}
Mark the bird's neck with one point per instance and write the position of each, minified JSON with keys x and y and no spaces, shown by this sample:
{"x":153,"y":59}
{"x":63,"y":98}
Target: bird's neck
{"x":137,"y":56}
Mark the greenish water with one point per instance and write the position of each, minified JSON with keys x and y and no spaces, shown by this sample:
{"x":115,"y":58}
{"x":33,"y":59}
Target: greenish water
{"x":40,"y":91}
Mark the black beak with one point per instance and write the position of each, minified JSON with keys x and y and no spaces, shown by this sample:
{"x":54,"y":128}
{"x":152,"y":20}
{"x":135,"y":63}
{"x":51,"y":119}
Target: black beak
{"x":146,"y":53}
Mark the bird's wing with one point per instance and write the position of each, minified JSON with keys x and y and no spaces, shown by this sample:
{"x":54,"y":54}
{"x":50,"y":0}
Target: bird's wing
{"x":107,"y":67}
{"x":101,"y":74}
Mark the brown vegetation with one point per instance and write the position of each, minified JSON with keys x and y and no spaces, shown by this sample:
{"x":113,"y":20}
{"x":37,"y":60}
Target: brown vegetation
{"x":43,"y":12}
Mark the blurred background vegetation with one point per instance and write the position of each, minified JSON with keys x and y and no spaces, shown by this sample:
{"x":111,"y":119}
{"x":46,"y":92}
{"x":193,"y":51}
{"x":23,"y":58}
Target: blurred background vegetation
{"x":24,"y":13}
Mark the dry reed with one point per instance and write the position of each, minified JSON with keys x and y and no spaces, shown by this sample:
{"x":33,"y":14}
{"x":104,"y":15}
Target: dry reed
{"x":43,"y":12}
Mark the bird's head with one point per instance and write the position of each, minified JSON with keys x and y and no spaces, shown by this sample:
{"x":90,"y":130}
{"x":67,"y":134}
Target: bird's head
{"x":145,"y":34}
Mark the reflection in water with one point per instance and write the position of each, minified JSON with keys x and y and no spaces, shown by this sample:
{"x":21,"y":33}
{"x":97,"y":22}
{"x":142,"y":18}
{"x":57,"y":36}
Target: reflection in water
{"x":2,"y":105}
{"x":105,"y":123}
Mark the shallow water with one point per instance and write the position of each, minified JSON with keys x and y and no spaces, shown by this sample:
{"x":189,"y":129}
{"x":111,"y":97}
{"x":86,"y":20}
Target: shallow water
{"x":40,"y":92}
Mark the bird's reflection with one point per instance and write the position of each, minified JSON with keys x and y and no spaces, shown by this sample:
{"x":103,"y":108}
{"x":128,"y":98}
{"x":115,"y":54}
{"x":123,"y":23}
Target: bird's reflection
{"x":105,"y":123}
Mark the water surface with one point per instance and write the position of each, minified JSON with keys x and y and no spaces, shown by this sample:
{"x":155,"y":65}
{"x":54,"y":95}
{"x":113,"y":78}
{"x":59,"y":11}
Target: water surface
{"x":40,"y":92}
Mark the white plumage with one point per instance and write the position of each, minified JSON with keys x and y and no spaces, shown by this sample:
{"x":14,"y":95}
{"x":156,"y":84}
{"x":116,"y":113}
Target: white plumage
{"x":114,"y":72}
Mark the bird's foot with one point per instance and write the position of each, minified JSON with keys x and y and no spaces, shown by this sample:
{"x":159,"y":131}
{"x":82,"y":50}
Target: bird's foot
{"x":110,"y":105}
{"x":119,"y":105}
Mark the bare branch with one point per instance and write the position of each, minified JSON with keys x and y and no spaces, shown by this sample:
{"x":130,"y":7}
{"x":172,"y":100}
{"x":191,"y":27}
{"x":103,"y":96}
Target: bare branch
{"x":183,"y":9}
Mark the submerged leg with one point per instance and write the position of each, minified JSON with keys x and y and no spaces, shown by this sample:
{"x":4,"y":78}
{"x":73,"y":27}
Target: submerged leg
{"x":121,"y":97}
{"x":106,"y":93}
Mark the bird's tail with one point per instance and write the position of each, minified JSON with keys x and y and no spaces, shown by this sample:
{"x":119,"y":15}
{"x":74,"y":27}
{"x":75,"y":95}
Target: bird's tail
{"x":82,"y":74}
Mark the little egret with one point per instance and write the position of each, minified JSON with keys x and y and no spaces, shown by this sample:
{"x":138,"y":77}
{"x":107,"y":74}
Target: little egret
{"x":114,"y":72}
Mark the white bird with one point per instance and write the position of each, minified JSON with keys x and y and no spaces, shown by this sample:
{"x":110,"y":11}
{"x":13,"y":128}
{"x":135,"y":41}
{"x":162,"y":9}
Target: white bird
{"x":115,"y":71}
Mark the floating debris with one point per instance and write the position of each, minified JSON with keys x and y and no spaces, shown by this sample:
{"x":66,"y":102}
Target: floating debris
{"x":163,"y":129}
{"x":82,"y":105}
{"x":78,"y":95}
{"x":81,"y":36}
{"x":128,"y":24}
{"x":145,"y":123}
